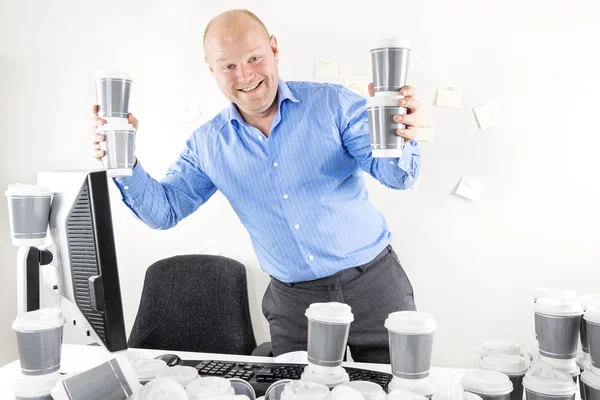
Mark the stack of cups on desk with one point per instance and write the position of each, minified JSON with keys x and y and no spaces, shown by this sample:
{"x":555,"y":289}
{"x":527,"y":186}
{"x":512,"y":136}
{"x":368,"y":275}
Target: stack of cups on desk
{"x":113,"y":90}
{"x":390,"y":61}
{"x":39,"y":340}
{"x":411,"y":344}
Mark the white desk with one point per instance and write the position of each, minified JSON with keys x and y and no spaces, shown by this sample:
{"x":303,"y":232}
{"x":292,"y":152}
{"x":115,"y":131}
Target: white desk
{"x":77,"y":358}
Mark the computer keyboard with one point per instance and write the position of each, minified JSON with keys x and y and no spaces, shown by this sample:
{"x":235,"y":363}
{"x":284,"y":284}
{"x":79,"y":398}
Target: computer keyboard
{"x":261,"y":376}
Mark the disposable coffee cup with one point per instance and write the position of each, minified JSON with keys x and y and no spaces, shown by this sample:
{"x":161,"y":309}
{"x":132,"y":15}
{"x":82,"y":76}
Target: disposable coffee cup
{"x":515,"y":367}
{"x":489,"y":385}
{"x":406,"y":395}
{"x":368,"y":390}
{"x":426,"y":387}
{"x":587,"y":301}
{"x":411,"y":343}
{"x":557,"y":323}
{"x":147,"y":369}
{"x":39,"y":339}
{"x":346,"y":393}
{"x":328,"y":328}
{"x":274,"y":391}
{"x":385,"y":142}
{"x":113,"y":90}
{"x":29,"y":387}
{"x":163,"y":388}
{"x":28,"y":213}
{"x":118,"y":146}
{"x":592,"y":319}
{"x":549,"y":384}
{"x":553,"y":292}
{"x":328,"y":376}
{"x":390,"y":63}
{"x":181,"y":374}
{"x":303,"y":390}
{"x":590,"y":384}
{"x":114,"y":380}
{"x":206,"y":387}
{"x":491,"y":347}
{"x":572,"y":368}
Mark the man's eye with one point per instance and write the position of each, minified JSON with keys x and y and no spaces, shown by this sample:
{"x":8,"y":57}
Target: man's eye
{"x":254,"y":59}
{"x":230,"y":66}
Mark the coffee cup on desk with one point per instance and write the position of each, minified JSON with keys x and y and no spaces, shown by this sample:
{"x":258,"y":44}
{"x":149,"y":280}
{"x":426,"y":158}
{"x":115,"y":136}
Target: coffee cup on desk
{"x":515,"y":367}
{"x":368,"y":390}
{"x":31,"y":387}
{"x":303,"y":390}
{"x":590,"y":384}
{"x":489,"y":385}
{"x":592,"y":320}
{"x":114,"y":379}
{"x":39,"y":340}
{"x":587,"y":301}
{"x":549,"y":384}
{"x":28,"y":213}
{"x":147,"y":369}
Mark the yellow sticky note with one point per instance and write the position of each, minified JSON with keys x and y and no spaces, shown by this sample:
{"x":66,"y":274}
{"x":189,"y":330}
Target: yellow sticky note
{"x":326,"y":67}
{"x":426,"y":131}
{"x":358,"y":84}
{"x":470,"y":188}
{"x":449,"y":96}
{"x":487,"y":115}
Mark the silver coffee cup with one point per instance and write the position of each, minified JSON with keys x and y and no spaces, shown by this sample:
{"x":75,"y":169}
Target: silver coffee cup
{"x":113,"y":90}
{"x":390,"y":64}
{"x":385,"y":142}
{"x":515,"y":367}
{"x":28,"y":213}
{"x":118,"y":146}
{"x":587,"y":301}
{"x":592,"y":319}
{"x":590,"y":384}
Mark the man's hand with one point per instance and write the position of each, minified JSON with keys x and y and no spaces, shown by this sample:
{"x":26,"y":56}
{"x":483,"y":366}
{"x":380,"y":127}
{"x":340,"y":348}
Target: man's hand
{"x":411,"y":119}
{"x":99,"y":137}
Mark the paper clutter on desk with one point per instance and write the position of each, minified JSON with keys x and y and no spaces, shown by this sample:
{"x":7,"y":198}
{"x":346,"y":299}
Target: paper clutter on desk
{"x":470,"y":188}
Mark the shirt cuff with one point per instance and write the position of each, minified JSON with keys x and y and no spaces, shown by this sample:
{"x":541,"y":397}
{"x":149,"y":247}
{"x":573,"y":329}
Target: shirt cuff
{"x":405,"y":162}
{"x":133,"y":186}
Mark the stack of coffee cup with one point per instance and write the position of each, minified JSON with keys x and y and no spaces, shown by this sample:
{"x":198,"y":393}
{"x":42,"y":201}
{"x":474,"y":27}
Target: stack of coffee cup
{"x":411,"y":345}
{"x":111,"y":380}
{"x":28,"y":213}
{"x":328,"y":328}
{"x":39,"y":340}
{"x":513,"y":366}
{"x":587,"y":301}
{"x":113,"y":90}
{"x":390,"y":61}
{"x":549,"y":383}
{"x":489,"y":385}
{"x":557,"y":324}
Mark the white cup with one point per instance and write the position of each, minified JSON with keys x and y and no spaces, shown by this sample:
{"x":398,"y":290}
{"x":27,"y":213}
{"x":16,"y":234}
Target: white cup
{"x":549,"y":383}
{"x":368,"y":390}
{"x":29,"y":387}
{"x":489,"y":385}
{"x":147,"y":369}
{"x":303,"y":390}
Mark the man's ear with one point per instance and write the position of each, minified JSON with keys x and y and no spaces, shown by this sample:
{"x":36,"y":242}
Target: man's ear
{"x":210,"y":68}
{"x":274,"y":47}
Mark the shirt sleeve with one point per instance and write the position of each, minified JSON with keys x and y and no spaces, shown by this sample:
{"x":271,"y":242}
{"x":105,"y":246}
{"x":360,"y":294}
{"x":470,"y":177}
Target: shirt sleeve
{"x":162,"y":204}
{"x":395,"y":173}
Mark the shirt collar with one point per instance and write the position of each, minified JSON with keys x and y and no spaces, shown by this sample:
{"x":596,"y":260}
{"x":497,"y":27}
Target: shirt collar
{"x":283,"y":93}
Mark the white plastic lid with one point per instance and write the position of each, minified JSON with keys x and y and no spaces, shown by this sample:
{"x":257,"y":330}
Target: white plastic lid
{"x":550,"y":382}
{"x":569,"y":367}
{"x":454,"y":392}
{"x":488,"y":383}
{"x":115,"y":127}
{"x":582,"y":362}
{"x":163,"y":388}
{"x":563,"y":306}
{"x":426,"y":387}
{"x":299,"y":390}
{"x":343,"y":392}
{"x":368,"y":390}
{"x":405,"y":395}
{"x":331,"y":379}
{"x":389,"y":99}
{"x":39,"y":320}
{"x":499,"y":347}
{"x":147,"y":368}
{"x":35,"y":386}
{"x":179,"y":373}
{"x":592,"y":315}
{"x":410,"y":323}
{"x":590,"y":300}
{"x":392,"y":42}
{"x":112,"y":74}
{"x":214,"y":386}
{"x":591,"y":378}
{"x":22,"y":189}
{"x":553,"y":292}
{"x":507,"y":364}
{"x":332,"y":313}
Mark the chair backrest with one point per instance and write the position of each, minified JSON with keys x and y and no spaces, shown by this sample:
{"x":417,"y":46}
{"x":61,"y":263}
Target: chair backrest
{"x":195,"y":303}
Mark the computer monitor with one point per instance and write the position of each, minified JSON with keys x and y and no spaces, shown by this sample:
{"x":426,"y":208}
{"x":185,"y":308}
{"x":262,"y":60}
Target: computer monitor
{"x":84,"y":255}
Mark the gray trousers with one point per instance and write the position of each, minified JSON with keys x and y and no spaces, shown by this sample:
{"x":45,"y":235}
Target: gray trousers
{"x":373,"y":291}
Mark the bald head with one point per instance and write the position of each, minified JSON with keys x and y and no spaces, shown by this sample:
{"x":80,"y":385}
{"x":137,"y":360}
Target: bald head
{"x":233,"y":19}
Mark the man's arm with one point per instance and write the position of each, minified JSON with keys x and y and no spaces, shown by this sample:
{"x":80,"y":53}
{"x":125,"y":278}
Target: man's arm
{"x":395,"y":173}
{"x":161,"y":205}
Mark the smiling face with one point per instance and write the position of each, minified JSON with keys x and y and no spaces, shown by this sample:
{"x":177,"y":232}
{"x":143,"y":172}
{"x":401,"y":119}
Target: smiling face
{"x":244,"y":61}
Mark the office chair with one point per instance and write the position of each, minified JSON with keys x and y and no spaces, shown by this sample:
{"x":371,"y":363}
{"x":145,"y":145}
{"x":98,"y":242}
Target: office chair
{"x":196,"y":303}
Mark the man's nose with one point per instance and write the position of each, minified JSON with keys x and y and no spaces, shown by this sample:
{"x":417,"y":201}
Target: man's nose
{"x":245,"y":73}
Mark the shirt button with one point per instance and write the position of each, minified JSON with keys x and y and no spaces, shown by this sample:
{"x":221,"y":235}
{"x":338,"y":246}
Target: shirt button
{"x":276,"y":164}
{"x":260,"y":138}
{"x":297,"y":226}
{"x":125,"y":187}
{"x":285,"y":196}
{"x":310,"y":258}
{"x":391,"y":162}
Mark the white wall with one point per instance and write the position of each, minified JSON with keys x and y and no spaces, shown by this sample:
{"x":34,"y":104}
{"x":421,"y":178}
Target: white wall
{"x":473,"y":264}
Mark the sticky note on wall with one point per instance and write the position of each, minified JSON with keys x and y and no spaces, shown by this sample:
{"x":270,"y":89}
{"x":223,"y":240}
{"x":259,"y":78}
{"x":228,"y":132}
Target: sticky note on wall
{"x":426,"y":131}
{"x":470,"y":188}
{"x":358,"y":84}
{"x":487,"y":115}
{"x":449,"y":96}
{"x":326,"y":67}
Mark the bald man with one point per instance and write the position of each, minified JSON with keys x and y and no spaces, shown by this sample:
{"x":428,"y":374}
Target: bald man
{"x":289,"y":157}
